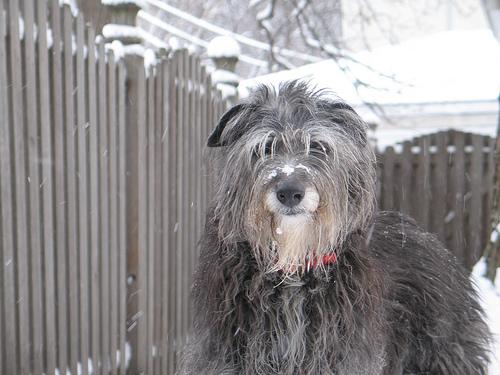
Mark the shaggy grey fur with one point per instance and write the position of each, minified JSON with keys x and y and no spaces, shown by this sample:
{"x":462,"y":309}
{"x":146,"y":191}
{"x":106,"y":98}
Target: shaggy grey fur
{"x":395,"y":302}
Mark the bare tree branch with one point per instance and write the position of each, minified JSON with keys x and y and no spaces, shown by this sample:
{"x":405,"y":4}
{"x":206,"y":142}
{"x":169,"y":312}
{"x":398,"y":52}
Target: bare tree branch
{"x":332,"y":52}
{"x":264,"y":21}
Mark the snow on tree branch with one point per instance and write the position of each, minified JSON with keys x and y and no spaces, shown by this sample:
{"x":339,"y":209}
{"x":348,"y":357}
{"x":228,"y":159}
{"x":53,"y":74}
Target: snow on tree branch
{"x":263,"y":19}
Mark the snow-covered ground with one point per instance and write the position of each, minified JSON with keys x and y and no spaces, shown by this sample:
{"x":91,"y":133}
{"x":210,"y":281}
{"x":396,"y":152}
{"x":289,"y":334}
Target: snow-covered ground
{"x":490,"y":299}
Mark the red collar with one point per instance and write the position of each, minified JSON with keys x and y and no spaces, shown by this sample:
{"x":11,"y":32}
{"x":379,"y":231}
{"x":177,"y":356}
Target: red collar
{"x":324,"y":260}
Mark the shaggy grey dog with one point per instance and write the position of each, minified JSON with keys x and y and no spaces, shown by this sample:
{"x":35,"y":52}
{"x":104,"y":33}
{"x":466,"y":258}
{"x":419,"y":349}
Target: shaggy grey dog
{"x":299,"y":273}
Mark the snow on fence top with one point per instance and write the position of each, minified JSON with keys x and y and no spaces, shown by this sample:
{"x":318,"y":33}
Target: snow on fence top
{"x":72,"y":4}
{"x":131,"y":36}
{"x":225,"y":76}
{"x":115,"y":31}
{"x":223,"y":46}
{"x":120,"y":51}
{"x":138,"y":3}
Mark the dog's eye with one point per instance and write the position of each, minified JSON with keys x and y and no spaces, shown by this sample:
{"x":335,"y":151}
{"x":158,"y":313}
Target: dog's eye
{"x":268,"y":149}
{"x":318,"y":147}
{"x":263,"y":150}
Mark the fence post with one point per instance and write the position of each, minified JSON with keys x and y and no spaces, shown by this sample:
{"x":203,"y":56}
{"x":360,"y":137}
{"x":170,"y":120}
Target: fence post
{"x":102,"y":12}
{"x":224,"y":52}
{"x":95,"y":12}
{"x":122,"y":12}
{"x":122,"y":17}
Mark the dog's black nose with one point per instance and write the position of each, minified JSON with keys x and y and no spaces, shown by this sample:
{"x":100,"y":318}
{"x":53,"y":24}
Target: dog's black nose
{"x":290,"y":194}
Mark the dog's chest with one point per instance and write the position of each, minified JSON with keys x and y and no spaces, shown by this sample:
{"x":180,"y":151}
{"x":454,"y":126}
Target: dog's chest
{"x":282,"y":330}
{"x":300,"y":329}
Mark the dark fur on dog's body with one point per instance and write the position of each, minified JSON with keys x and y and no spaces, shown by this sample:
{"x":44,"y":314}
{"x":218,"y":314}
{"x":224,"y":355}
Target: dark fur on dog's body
{"x":394,"y":302}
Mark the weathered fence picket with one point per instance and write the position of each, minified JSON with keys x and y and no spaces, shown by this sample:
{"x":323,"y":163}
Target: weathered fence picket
{"x":21,"y":177}
{"x":82,"y":185}
{"x":47,"y":191}
{"x":93,"y":169}
{"x":32,"y":155}
{"x":10,"y":345}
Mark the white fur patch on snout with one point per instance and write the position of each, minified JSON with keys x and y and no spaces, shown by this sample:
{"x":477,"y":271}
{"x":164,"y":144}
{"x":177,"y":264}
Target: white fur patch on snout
{"x":287,"y":170}
{"x":292,"y":223}
{"x":294,"y":240}
{"x":308,"y":204}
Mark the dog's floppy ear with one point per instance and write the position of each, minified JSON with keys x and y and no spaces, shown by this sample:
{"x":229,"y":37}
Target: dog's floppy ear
{"x":214,"y":139}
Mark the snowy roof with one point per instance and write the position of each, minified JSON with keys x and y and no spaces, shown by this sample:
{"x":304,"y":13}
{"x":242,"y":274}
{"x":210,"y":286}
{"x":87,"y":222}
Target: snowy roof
{"x":444,"y":67}
{"x":223,"y":46}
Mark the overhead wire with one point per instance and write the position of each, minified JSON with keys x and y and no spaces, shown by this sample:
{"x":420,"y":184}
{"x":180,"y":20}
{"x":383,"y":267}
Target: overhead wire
{"x":238,"y":37}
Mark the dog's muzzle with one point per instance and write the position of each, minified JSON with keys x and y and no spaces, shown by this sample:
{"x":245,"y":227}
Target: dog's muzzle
{"x":292,"y":197}
{"x":290,"y":193}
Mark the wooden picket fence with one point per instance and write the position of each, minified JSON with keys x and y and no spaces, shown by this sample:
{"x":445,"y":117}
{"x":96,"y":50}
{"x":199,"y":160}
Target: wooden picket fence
{"x":178,"y":108}
{"x":445,"y":182}
{"x":103,"y":191}
{"x":63,"y":248}
{"x":104,"y":187}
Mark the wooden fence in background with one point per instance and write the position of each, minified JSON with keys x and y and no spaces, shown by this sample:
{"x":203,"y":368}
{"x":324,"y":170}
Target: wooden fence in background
{"x":62,"y":195}
{"x":103,"y":191}
{"x":178,"y":108}
{"x":445,"y":182}
{"x":104,"y":187}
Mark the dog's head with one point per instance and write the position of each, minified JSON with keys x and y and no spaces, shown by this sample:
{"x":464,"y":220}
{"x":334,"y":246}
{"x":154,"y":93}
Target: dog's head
{"x":295,"y":174}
